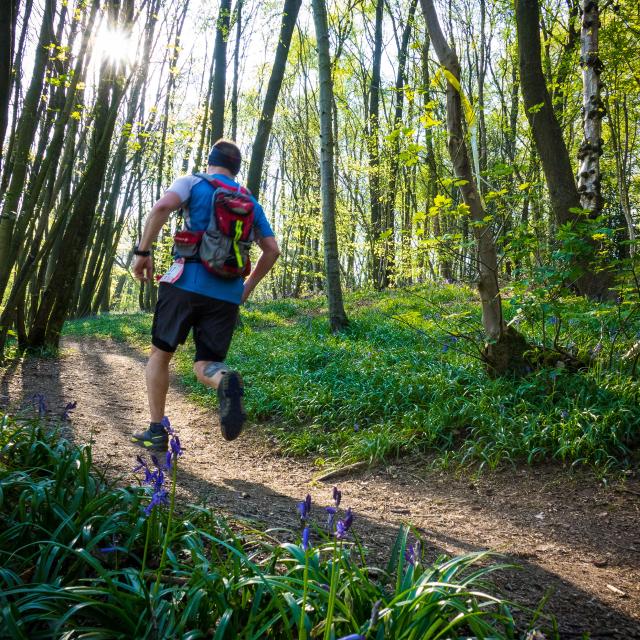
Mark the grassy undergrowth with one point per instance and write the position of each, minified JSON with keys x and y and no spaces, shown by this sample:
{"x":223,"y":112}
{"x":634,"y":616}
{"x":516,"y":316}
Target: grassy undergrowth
{"x":82,"y":559}
{"x":405,"y":377}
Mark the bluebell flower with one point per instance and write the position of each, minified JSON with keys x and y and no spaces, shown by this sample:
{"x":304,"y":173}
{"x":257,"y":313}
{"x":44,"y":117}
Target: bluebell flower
{"x":305,"y":539}
{"x":564,"y":414}
{"x":412,"y":553}
{"x":343,"y":526}
{"x":70,"y":406}
{"x":373,"y":620}
{"x":40,"y":403}
{"x":159,"y":497}
{"x":552,"y":320}
{"x":353,"y":636}
{"x":331,"y":511}
{"x":337,"y":496}
{"x":166,"y":423}
{"x":304,"y":507}
{"x":109,"y":549}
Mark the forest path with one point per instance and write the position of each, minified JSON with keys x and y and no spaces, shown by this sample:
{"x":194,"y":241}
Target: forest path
{"x":568,"y":531}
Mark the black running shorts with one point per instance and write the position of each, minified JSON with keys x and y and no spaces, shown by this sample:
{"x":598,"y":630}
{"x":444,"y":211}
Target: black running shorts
{"x":177,"y":311}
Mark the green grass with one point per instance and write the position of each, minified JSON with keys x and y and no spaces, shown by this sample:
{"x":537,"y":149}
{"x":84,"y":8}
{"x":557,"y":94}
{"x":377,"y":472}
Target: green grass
{"x":80,"y":559}
{"x":396,"y":382}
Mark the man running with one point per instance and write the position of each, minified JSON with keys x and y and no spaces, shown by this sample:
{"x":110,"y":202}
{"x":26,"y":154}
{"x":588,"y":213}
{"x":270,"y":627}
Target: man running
{"x":190,"y":297}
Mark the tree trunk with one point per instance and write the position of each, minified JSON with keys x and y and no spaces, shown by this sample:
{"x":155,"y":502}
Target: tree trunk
{"x":337,"y":316}
{"x":24,"y":138}
{"x":289,"y":17}
{"x":375,"y":193}
{"x":592,"y":111}
{"x":8,"y":20}
{"x":554,"y":157}
{"x":220,"y":72}
{"x":390,"y":198}
{"x":505,"y":349}
{"x":56,"y":300}
{"x":236,"y":69}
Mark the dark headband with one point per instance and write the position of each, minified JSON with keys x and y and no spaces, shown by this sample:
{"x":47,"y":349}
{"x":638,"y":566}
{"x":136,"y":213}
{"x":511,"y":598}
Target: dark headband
{"x":218,"y":158}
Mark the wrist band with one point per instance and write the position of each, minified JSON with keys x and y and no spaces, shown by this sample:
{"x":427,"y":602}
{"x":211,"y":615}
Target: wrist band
{"x":137,"y":252}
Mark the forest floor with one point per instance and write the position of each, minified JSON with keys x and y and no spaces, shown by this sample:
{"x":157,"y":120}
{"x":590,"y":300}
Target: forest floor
{"x":569,"y":531}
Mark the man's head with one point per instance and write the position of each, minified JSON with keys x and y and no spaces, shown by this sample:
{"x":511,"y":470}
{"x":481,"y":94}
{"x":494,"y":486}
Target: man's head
{"x":227,"y":155}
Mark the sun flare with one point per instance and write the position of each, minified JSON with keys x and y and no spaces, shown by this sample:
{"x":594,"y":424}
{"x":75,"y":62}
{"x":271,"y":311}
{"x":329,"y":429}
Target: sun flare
{"x":114,"y":45}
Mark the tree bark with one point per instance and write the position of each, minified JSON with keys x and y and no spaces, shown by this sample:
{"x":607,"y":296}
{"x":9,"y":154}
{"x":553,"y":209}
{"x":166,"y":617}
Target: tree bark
{"x":375,"y":193}
{"x":24,"y":138}
{"x":505,"y":349}
{"x":337,"y":316}
{"x":236,"y":70}
{"x":56,"y":300}
{"x":289,"y":17}
{"x":220,"y":72}
{"x":8,"y":20}
{"x":592,"y":110}
{"x":390,"y":197}
{"x":554,"y":156}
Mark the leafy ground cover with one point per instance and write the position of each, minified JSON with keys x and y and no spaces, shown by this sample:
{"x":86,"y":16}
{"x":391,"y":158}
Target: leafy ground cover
{"x":81,"y":558}
{"x":406,"y":376}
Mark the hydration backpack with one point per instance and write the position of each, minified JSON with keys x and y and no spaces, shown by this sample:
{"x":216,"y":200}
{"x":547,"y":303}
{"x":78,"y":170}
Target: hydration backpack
{"x":224,"y":247}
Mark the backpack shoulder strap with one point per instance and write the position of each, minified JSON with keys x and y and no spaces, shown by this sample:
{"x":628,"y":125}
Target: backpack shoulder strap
{"x":219,"y":184}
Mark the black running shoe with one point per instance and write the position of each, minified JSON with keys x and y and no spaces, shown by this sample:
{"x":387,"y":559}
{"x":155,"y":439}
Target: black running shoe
{"x":152,"y":439}
{"x":232,"y":413}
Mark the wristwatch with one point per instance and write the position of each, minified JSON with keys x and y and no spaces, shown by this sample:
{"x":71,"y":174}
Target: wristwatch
{"x":137,"y":252}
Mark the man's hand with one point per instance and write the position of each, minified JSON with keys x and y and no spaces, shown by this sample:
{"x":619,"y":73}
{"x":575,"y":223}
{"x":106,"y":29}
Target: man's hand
{"x":246,"y":293}
{"x":143,"y":268}
{"x":270,"y":253}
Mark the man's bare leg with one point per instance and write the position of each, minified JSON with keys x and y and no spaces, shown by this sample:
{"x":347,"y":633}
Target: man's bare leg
{"x":209,"y":373}
{"x":156,"y":438}
{"x":230,"y":390}
{"x":157,"y":375}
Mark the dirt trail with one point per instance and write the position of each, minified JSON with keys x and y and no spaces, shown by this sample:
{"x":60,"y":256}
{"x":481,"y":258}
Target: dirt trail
{"x":568,"y":531}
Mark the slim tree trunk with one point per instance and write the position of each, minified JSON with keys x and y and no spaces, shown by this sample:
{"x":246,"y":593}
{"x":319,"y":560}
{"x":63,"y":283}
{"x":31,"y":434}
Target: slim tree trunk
{"x":56,"y":300}
{"x":24,"y":138}
{"x":8,"y":20}
{"x":375,"y":194}
{"x":505,"y":349}
{"x":220,"y":72}
{"x":337,"y":316}
{"x":236,"y":69}
{"x":592,"y":110}
{"x":390,"y":198}
{"x":289,"y":17}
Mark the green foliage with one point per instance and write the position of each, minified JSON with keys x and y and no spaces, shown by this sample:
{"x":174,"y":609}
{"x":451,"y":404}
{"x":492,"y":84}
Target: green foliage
{"x":406,"y":377}
{"x":71,"y":549}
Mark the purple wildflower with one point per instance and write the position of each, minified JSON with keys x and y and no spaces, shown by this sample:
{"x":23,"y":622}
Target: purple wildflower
{"x":70,"y":406}
{"x":332,"y":516}
{"x":552,"y":320}
{"x":343,"y":526}
{"x":337,"y":496}
{"x":40,"y":403}
{"x":373,"y":620}
{"x":564,"y":414}
{"x":412,"y":553}
{"x":305,"y":539}
{"x":143,"y":466}
{"x":166,"y":423}
{"x":352,"y":636}
{"x":304,"y":507}
{"x":109,"y":549}
{"x":159,"y":497}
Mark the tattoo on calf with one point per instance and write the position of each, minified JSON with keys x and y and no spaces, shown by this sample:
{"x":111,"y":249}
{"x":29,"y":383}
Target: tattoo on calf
{"x":214,"y":367}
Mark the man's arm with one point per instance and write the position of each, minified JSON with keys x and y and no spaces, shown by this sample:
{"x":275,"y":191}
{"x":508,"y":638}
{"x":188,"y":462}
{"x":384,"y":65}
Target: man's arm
{"x":270,"y":253}
{"x":143,"y":266}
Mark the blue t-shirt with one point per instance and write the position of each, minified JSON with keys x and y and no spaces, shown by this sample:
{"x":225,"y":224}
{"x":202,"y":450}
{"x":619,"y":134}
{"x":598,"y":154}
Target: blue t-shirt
{"x":195,"y":196}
